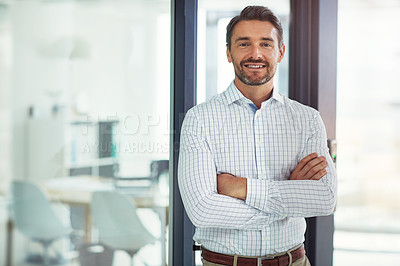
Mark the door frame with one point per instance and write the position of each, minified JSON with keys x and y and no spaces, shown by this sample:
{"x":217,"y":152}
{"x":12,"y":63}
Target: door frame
{"x":183,"y":97}
{"x":312,"y":81}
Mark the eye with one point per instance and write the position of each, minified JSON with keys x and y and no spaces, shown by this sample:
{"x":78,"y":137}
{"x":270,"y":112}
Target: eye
{"x":265,"y":45}
{"x":243,"y":44}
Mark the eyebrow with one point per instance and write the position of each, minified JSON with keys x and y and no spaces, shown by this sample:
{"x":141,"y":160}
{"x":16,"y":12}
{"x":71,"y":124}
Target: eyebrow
{"x":247,"y":38}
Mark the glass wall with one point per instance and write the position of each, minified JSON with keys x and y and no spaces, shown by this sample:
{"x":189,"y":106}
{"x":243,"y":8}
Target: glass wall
{"x":84,"y":107}
{"x":367,"y":227}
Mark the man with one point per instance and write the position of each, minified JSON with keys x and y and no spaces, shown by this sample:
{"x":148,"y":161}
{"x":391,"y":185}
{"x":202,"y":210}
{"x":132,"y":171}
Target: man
{"x":253,"y":163}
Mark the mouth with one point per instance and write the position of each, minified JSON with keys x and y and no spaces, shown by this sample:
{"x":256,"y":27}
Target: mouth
{"x":254,"y":66}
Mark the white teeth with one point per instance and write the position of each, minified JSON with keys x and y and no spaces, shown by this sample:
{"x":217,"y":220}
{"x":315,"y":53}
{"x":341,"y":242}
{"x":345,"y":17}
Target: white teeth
{"x":254,"y":66}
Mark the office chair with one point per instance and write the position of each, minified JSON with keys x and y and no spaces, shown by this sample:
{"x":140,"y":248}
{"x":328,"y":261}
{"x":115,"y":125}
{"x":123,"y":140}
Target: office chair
{"x":118,"y":224}
{"x":34,"y":216}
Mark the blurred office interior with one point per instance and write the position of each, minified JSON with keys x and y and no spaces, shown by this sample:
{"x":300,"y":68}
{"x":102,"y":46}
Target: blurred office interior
{"x":85,"y":106}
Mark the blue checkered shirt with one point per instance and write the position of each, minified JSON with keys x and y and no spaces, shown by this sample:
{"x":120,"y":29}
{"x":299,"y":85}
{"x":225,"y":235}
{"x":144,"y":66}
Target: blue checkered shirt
{"x":228,"y":134}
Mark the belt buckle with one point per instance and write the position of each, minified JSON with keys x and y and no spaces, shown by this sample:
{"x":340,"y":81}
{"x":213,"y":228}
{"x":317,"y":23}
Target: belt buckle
{"x":259,"y":260}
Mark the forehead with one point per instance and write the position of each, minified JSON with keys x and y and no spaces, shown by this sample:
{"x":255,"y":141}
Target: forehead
{"x":254,"y":29}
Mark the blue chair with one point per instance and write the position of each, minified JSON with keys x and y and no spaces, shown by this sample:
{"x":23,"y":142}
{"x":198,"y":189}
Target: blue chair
{"x":118,"y":224}
{"x":34,"y":216}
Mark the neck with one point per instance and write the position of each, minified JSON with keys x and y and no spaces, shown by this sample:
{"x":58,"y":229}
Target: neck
{"x":257,"y":94}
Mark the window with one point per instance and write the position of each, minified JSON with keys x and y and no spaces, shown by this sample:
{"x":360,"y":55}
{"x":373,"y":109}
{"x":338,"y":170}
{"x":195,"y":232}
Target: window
{"x":367,"y":228}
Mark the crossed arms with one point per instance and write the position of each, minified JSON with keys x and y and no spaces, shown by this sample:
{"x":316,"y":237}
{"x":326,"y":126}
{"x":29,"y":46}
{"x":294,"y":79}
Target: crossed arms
{"x":311,"y":167}
{"x":227,"y":201}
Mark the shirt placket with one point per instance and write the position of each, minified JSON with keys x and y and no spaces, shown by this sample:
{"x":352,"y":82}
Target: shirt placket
{"x":259,"y":144}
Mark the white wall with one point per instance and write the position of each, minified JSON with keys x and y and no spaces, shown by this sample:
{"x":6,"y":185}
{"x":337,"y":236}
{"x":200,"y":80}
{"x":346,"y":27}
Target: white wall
{"x":103,"y":58}
{"x":5,"y":89}
{"x":35,"y":76}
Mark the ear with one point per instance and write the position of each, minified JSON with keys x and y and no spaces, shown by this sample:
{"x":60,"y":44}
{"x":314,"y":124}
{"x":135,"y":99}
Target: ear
{"x":281,"y":53}
{"x":228,"y":54}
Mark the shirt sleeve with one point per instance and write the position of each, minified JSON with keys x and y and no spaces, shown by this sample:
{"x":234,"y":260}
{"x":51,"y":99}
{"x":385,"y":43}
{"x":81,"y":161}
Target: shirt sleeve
{"x":197,"y":180}
{"x":299,"y":198}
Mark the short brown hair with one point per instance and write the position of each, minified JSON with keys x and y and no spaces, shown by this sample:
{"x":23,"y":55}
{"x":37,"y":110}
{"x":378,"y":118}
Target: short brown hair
{"x":260,"y":13}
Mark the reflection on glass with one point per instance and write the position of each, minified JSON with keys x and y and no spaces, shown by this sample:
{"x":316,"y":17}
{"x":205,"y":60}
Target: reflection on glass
{"x":214,"y":73}
{"x":367,"y":228}
{"x":86,"y":87}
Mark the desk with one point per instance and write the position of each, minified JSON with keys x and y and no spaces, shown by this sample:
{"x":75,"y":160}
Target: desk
{"x":77,"y":191}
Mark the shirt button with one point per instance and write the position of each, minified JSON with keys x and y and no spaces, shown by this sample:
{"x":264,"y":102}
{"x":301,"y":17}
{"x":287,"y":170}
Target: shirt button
{"x":262,"y":176}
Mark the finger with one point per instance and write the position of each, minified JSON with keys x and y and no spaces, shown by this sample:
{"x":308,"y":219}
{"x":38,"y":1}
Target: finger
{"x":319,"y":175}
{"x":316,"y":167}
{"x":310,"y":164}
{"x":304,"y":161}
{"x":296,"y":174}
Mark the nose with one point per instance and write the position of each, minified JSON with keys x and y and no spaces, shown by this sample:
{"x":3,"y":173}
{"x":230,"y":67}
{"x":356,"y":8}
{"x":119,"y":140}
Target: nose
{"x":255,"y":52}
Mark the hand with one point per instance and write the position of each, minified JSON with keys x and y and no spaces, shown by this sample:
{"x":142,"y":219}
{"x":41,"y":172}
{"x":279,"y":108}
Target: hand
{"x":310,"y":167}
{"x":232,"y":186}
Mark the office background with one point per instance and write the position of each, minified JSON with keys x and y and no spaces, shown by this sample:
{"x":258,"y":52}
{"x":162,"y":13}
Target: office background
{"x":66,"y":67}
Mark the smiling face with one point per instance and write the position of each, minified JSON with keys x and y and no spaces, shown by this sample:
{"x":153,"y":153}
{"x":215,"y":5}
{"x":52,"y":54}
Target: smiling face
{"x":255,"y":52}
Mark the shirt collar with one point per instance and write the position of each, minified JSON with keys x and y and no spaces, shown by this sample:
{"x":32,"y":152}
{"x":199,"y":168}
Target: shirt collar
{"x":232,"y":94}
{"x":277,"y":96}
